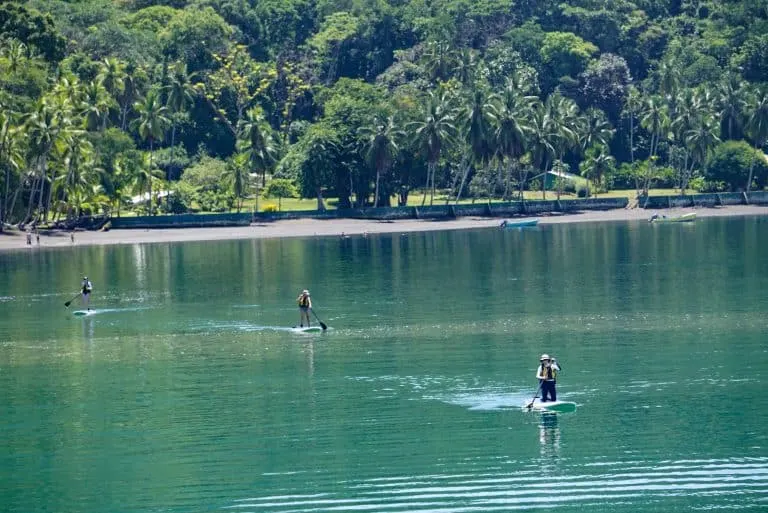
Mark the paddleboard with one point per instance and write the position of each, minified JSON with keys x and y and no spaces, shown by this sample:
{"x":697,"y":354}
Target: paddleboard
{"x":313,"y":329}
{"x":560,"y":406}
{"x":83,"y":313}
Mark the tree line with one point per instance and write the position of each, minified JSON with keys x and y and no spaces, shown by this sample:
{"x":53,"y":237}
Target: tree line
{"x":177,"y":105}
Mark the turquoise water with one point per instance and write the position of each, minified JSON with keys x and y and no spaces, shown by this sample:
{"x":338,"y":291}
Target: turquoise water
{"x":188,"y":391}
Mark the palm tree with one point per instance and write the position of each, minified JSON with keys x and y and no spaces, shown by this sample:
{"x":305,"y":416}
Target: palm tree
{"x":79,"y":164}
{"x":632,"y":105}
{"x":380,"y":149}
{"x":669,"y":78}
{"x":238,"y":178}
{"x":595,"y":129}
{"x":43,"y":128}
{"x":142,"y":174}
{"x":431,"y":133}
{"x":134,"y":76}
{"x":565,"y":121}
{"x":96,"y":105}
{"x":731,"y":103}
{"x":700,"y":141}
{"x":181,"y":93}
{"x":257,"y":142}
{"x":541,"y":143}
{"x":597,"y":164}
{"x":112,"y":76}
{"x":151,"y":126}
{"x":654,"y":119}
{"x":11,"y":159}
{"x":438,"y":60}
{"x":16,"y":52}
{"x":480,"y":116}
{"x":757,"y":126}
{"x":511,"y":128}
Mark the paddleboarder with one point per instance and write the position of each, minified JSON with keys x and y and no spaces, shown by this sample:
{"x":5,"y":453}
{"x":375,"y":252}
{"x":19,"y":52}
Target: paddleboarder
{"x":85,"y":289}
{"x":305,"y":305}
{"x":547,"y":376}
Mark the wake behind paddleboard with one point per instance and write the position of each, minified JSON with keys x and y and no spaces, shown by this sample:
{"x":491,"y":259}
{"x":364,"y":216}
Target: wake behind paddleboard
{"x":557,"y":406}
{"x":83,"y":313}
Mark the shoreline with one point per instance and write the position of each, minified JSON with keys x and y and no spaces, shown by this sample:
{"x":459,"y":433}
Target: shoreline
{"x":15,"y":240}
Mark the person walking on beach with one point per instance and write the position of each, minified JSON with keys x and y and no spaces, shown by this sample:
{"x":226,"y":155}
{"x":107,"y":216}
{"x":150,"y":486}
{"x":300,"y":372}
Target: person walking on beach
{"x":305,"y":305}
{"x":547,"y":376}
{"x":86,"y":287}
{"x":29,"y":238}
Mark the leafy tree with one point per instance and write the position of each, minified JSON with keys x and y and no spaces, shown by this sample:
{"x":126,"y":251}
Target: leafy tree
{"x":564,"y":54}
{"x":32,"y":28}
{"x":605,"y":83}
{"x":733,"y":162}
{"x":257,"y":143}
{"x":280,"y":188}
{"x":194,"y":36}
{"x":757,"y":127}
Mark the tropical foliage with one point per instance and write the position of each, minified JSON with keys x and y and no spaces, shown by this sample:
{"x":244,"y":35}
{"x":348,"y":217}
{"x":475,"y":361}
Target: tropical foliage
{"x":198,"y":105}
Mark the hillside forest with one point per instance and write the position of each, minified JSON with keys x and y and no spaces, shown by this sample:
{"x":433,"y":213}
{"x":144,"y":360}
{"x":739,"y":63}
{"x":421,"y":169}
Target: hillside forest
{"x":150,"y":106}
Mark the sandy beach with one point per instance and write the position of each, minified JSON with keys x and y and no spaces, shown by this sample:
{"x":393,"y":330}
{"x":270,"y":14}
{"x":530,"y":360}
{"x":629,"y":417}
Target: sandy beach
{"x":15,"y":240}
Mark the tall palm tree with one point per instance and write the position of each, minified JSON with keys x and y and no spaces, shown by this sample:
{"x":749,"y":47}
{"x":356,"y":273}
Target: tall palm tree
{"x":380,"y":143}
{"x":510,"y":136}
{"x":16,"y":52}
{"x":632,"y":105}
{"x":595,"y":129}
{"x":11,"y":159}
{"x":132,"y":90}
{"x":151,"y":125}
{"x":438,"y":60}
{"x":112,"y":76}
{"x":431,"y":133}
{"x":79,"y":165}
{"x":257,"y":142}
{"x":181,"y":93}
{"x":564,"y":114}
{"x":731,"y":103}
{"x":700,"y":141}
{"x":669,"y":78}
{"x":238,"y":178}
{"x":757,"y":126}
{"x":96,"y":105}
{"x":654,"y":119}
{"x":597,"y":164}
{"x":480,"y":117}
{"x":541,"y":143}
{"x":43,"y":127}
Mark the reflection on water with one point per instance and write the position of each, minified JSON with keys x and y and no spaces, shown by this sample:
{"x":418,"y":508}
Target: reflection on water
{"x":549,"y":440}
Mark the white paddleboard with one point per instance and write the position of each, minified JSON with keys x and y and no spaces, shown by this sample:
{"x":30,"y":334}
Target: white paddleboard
{"x":561,"y":406}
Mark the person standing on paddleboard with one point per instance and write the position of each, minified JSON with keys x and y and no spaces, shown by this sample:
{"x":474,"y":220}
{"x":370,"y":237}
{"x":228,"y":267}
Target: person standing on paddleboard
{"x":305,"y":305}
{"x":547,"y":376}
{"x":85,"y":288}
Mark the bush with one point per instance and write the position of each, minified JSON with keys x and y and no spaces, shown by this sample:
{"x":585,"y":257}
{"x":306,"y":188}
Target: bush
{"x":582,"y":191}
{"x":270,"y":207}
{"x":730,"y":163}
{"x":569,"y":187}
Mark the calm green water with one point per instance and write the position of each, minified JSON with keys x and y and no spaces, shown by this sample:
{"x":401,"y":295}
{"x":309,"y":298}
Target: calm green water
{"x":187,"y":392}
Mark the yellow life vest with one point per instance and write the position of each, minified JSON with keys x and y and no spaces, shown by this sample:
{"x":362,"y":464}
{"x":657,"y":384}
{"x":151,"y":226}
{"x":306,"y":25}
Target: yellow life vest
{"x":548,"y":372}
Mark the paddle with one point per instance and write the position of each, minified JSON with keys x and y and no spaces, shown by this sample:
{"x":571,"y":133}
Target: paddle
{"x":70,"y":301}
{"x":322,"y":324}
{"x":530,"y":405}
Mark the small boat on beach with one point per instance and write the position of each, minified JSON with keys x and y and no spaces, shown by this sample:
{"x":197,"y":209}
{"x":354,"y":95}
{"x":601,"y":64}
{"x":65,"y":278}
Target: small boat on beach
{"x":519,"y":224}
{"x":685,"y":218}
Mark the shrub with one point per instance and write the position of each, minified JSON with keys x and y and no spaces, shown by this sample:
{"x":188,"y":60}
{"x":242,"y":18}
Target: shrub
{"x":582,"y":191}
{"x":270,"y":207}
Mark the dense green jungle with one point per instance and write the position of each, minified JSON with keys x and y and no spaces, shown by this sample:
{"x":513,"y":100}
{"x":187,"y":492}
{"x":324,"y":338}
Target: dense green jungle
{"x":154,"y":106}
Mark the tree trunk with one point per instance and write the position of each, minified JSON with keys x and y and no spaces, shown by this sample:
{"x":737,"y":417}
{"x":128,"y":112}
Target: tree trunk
{"x":426,"y":187}
{"x":149,"y":171}
{"x":320,"y":204}
{"x":376,"y":191}
{"x":466,"y":165}
{"x":751,"y":170}
{"x":432,"y":192}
